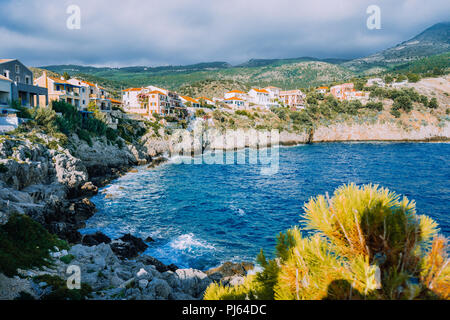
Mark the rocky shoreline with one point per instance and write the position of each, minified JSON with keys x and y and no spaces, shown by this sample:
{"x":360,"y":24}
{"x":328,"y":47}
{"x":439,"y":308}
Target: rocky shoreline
{"x":53,"y":186}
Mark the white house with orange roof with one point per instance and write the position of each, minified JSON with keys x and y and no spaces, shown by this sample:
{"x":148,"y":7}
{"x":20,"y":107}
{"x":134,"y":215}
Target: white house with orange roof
{"x":235,"y":103}
{"x":274,"y":95}
{"x":295,"y":99}
{"x":346,"y":91}
{"x":130,"y":98}
{"x":341,"y":91}
{"x":190,"y":101}
{"x":259,"y":97}
{"x":206,"y":100}
{"x":322,"y":90}
{"x":236,"y":93}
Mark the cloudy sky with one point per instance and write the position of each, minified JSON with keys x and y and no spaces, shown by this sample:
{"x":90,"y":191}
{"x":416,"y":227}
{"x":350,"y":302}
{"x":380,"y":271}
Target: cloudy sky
{"x":163,"y":32}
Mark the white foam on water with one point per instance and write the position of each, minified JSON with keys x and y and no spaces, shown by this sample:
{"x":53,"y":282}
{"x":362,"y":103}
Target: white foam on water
{"x":188,"y":243}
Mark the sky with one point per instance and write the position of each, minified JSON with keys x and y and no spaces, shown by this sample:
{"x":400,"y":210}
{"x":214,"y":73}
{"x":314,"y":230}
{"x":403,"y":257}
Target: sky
{"x":178,"y":32}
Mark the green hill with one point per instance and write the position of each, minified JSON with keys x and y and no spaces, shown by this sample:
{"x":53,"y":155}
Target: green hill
{"x":280,"y":73}
{"x":434,"y":40}
{"x":285,"y":73}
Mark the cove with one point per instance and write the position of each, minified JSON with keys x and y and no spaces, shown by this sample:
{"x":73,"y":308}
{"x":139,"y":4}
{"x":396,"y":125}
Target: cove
{"x":202,"y":215}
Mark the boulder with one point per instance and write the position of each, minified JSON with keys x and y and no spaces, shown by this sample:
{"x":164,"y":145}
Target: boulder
{"x":95,"y":239}
{"x":128,"y":246}
{"x":89,"y":189}
{"x":229,"y":269}
{"x":160,"y":267}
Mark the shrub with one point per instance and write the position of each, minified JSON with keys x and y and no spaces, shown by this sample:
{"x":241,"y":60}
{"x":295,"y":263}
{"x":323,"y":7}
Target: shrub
{"x":84,"y":135}
{"x":67,"y":258}
{"x":60,"y":291}
{"x":433,"y":104}
{"x":413,"y":77}
{"x":111,"y":134}
{"x":25,"y":244}
{"x":402,"y":102}
{"x":364,"y":243}
{"x":200,"y":113}
{"x":3,"y":168}
{"x":374,"y":106}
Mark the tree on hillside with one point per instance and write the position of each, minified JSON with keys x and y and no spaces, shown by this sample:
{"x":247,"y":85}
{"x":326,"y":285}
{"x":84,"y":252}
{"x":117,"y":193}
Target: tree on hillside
{"x":66,"y":76}
{"x":433,"y":104}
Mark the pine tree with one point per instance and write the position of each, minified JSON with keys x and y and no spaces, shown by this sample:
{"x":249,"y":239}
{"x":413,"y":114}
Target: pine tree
{"x":365,"y":243}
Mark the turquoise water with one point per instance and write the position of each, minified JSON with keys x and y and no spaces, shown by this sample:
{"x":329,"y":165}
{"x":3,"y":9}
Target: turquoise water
{"x":202,"y":215}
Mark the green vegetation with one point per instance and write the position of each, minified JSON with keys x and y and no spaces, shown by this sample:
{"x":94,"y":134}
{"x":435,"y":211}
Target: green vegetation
{"x":363,"y":243}
{"x":25,"y":244}
{"x":67,"y":258}
{"x":59,"y":290}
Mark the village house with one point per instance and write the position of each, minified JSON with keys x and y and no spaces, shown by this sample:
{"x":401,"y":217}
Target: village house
{"x":206,"y":100}
{"x":399,"y":84}
{"x":274,"y":95}
{"x":295,"y":99}
{"x":173,"y":99}
{"x":153,"y":102}
{"x":322,"y":90}
{"x":115,"y":103}
{"x":236,"y":93}
{"x":375,"y":82}
{"x":346,"y":91}
{"x":259,"y":97}
{"x":5,"y":91}
{"x":92,"y":94}
{"x":60,"y":89}
{"x":99,"y":96}
{"x":130,"y":98}
{"x":21,"y":85}
{"x":235,"y":103}
{"x":342,"y":91}
{"x":188,"y":101}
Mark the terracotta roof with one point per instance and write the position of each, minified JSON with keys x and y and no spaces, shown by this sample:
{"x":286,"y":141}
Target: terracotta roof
{"x":260,"y":90}
{"x":235,"y":91}
{"x":204,"y":98}
{"x":58,"y":80}
{"x":234,"y":98}
{"x":115,"y":101}
{"x":88,"y":83}
{"x":272,"y":87}
{"x":323,"y":88}
{"x":189,"y":99}
{"x":5,"y":78}
{"x":6,"y":60}
{"x":157,"y":92}
{"x":132,"y":89}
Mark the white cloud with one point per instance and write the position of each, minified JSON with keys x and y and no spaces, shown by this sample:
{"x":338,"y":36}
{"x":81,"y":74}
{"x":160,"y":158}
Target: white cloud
{"x":188,"y":31}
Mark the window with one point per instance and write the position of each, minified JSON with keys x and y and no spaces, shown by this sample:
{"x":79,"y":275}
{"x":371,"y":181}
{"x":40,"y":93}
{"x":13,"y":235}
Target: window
{"x":17,"y":68}
{"x":6,"y":73}
{"x":17,"y":79}
{"x":27,"y":79}
{"x":57,"y":87}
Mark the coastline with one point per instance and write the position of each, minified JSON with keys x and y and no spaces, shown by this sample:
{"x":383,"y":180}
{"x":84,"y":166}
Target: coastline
{"x":58,"y":194}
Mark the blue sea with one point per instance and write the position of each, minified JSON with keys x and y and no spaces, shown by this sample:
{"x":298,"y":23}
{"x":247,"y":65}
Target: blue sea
{"x":201,"y":215}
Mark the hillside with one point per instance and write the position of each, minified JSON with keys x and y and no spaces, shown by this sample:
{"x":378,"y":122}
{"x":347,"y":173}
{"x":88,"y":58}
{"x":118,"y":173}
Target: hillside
{"x":285,"y":74}
{"x":211,"y":88}
{"x":434,"y":40}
